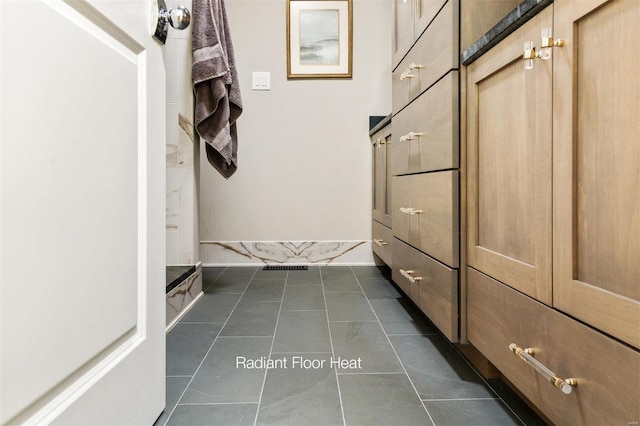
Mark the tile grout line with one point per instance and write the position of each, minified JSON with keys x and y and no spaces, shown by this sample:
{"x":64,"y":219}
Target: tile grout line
{"x":459,"y":399}
{"x":487,"y":384}
{"x":210,"y":347}
{"x":273,"y":339}
{"x":333,"y":353}
{"x":394,"y":349}
{"x":216,"y":278}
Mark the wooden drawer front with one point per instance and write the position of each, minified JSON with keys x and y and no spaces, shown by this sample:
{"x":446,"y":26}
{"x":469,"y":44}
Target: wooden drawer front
{"x":382,"y":237}
{"x":433,"y":228}
{"x":436,"y":52}
{"x":435,"y":289}
{"x":433,"y":118}
{"x":607,"y":371}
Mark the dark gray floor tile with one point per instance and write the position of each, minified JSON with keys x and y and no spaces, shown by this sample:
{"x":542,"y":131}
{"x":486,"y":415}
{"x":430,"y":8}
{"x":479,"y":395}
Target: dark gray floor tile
{"x":280,"y":275}
{"x":264,"y":291}
{"x":401,"y":316}
{"x":227,"y":284}
{"x":339,"y":278}
{"x":331,"y":272}
{"x":367,"y":272}
{"x":302,"y":331}
{"x":187,"y":344}
{"x":210,"y":274}
{"x":175,"y":387}
{"x":379,"y":288}
{"x":220,"y":380}
{"x":212,"y":308}
{"x":349,"y":307}
{"x":489,"y":412}
{"x":308,"y":277}
{"x":297,"y":396}
{"x":252,"y":319}
{"x":517,"y":405}
{"x":381,"y":399}
{"x":437,"y":370}
{"x":234,"y":270}
{"x":214,"y":415}
{"x":366,"y":342}
{"x":301,"y":298}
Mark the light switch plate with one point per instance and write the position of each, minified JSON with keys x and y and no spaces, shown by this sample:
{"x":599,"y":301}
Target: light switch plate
{"x":261,"y":81}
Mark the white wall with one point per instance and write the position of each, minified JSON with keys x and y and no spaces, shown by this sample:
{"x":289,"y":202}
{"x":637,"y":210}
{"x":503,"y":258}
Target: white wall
{"x":304,"y":160}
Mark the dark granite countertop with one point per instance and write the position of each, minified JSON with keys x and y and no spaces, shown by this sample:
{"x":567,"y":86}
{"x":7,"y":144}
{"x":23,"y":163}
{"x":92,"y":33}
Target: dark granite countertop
{"x":377,"y":123}
{"x":514,"y":20}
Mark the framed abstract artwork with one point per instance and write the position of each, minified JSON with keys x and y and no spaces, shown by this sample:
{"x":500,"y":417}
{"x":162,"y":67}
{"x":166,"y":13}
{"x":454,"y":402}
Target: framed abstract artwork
{"x":319,"y":39}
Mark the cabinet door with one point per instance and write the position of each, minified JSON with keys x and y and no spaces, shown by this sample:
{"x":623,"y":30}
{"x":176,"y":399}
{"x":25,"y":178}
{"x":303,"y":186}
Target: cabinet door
{"x":382,"y":176}
{"x":426,"y":10}
{"x":403,"y":36}
{"x":509,"y":164}
{"x":596,"y":154}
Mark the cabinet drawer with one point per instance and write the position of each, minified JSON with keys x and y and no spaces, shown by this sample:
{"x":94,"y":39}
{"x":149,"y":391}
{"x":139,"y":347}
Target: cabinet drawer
{"x":607,"y":371}
{"x":435,"y":53}
{"x":382,"y":237}
{"x":425,"y":133}
{"x":425,"y":214}
{"x":430,"y":284}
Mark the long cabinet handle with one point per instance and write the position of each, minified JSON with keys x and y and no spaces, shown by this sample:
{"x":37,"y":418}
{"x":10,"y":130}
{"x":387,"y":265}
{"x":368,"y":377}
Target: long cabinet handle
{"x":407,"y":73}
{"x":407,"y":275}
{"x":410,"y":136}
{"x":380,"y":242}
{"x":410,"y":210}
{"x":565,"y":385}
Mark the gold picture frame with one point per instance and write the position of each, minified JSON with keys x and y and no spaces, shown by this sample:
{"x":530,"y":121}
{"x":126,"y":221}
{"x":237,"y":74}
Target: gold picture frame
{"x":319,"y":39}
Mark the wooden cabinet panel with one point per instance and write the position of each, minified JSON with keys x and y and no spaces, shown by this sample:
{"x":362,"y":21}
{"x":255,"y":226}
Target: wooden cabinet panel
{"x":597,"y":165}
{"x":426,"y":10}
{"x":436,"y":52}
{"x":403,"y":29}
{"x":382,"y":237}
{"x":382,"y":176}
{"x":435,"y":286}
{"x":606,"y":371}
{"x":425,"y":213}
{"x":509,"y":164}
{"x":433,"y":117}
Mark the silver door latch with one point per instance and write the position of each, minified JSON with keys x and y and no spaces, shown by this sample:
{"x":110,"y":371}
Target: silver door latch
{"x":178,"y":17}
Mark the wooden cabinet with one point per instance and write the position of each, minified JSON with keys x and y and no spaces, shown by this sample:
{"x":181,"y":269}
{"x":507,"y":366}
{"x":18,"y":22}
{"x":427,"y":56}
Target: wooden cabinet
{"x":426,"y":146}
{"x":381,"y":194}
{"x":410,"y":18}
{"x":434,"y":54}
{"x":553,"y":207}
{"x":607,"y":372}
{"x":426,"y":131}
{"x":596,"y":173}
{"x":509,"y":164}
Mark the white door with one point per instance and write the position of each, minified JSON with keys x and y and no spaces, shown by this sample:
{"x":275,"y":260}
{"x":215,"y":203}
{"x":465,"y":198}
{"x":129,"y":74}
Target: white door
{"x":82,"y":181}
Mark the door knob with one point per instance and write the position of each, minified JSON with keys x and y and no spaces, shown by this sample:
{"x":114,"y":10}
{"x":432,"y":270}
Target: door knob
{"x":178,"y":17}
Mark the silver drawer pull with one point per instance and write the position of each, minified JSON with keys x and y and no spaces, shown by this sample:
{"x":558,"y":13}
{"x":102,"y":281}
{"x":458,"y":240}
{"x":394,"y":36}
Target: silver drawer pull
{"x":410,"y":210}
{"x":411,"y":136}
{"x":380,"y":242}
{"x":565,"y":385}
{"x":407,"y":275}
{"x":407,"y":72}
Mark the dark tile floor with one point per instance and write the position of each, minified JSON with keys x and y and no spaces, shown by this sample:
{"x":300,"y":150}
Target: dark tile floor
{"x":345,"y":346}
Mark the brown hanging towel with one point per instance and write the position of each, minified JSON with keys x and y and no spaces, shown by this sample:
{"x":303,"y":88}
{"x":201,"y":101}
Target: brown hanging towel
{"x":218,"y":103}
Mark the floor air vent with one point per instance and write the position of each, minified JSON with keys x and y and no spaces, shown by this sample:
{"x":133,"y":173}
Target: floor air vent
{"x":285,"y":268}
